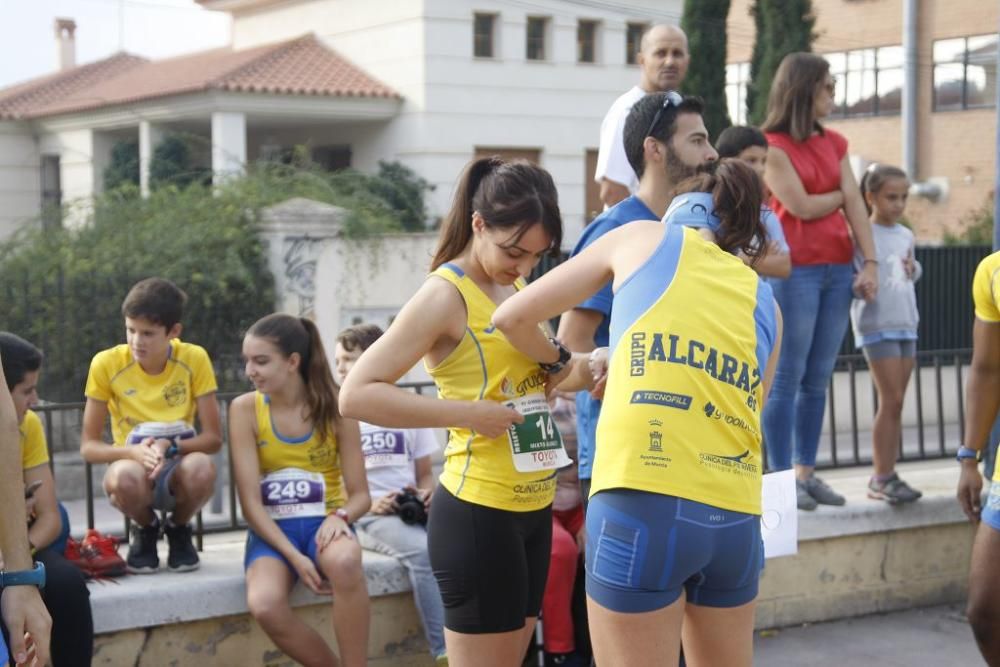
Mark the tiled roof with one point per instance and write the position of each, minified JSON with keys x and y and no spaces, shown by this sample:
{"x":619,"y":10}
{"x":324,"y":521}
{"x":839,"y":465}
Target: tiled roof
{"x":20,"y":100}
{"x":301,"y":66}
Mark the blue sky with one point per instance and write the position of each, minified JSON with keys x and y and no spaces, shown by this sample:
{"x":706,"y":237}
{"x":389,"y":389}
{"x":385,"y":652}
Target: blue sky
{"x":152,"y":28}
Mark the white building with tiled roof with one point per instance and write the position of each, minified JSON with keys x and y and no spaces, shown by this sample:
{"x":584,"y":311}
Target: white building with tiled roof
{"x":430,"y":83}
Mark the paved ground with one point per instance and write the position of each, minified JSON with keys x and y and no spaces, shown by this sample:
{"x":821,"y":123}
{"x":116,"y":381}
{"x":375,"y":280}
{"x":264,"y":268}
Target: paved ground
{"x":931,"y":637}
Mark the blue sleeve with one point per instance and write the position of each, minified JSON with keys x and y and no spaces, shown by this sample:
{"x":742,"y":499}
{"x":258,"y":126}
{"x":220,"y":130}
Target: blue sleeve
{"x":601,"y":301}
{"x":774,"y":231}
{"x":766,"y":320}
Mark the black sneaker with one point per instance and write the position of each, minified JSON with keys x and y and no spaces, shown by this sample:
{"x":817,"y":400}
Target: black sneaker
{"x":142,"y":556}
{"x":182,"y":557}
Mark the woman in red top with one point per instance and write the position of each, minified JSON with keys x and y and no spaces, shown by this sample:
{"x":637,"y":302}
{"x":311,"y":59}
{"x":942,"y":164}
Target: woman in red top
{"x":816,"y":197}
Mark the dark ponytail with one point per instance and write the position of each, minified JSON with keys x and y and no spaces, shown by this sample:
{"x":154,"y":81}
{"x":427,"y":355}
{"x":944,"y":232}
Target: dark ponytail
{"x":875,"y":177}
{"x":508,"y":195}
{"x":736,"y":194}
{"x":298,"y":335}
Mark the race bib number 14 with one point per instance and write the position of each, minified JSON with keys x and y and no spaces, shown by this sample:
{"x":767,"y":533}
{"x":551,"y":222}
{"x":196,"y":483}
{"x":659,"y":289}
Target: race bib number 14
{"x":536,"y":444}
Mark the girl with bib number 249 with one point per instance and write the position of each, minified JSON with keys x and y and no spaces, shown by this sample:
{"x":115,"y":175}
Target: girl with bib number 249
{"x":490,"y":533}
{"x":294,"y":457}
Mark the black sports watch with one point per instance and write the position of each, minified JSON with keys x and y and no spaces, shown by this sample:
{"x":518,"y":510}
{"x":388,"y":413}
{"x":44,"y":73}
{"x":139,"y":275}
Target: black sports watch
{"x":33,"y":577}
{"x":172,"y":451}
{"x":564,"y":356}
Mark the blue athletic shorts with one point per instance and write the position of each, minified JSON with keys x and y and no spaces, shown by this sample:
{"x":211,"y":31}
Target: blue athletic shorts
{"x":991,"y":510}
{"x":300,"y":532}
{"x":163,"y":497}
{"x":643,"y":548}
{"x":3,"y":652}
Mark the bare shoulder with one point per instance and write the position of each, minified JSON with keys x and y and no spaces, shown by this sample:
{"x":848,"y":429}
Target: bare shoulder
{"x":437,"y":306}
{"x":243,"y":403}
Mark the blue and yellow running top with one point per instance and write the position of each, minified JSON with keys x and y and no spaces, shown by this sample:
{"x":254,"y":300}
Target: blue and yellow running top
{"x":300,"y":477}
{"x":691,"y":333}
{"x":485,"y":366}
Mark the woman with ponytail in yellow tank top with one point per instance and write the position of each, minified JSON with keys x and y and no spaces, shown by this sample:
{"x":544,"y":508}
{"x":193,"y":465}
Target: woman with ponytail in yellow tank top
{"x":490,"y":525}
{"x":673,"y":530}
{"x":294,"y":457}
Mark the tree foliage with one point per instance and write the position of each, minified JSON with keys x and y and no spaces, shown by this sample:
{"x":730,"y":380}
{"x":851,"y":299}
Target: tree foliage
{"x":782,"y":27}
{"x":180,"y":160}
{"x":975,"y":227}
{"x":124,"y":165}
{"x":63,"y":287}
{"x":704,"y":21}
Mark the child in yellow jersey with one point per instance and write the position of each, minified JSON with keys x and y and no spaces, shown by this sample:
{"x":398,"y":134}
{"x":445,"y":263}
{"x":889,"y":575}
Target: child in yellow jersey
{"x":490,"y":530}
{"x":293,"y":457}
{"x":65,"y":593}
{"x":154,"y":378}
{"x":983,"y":401}
{"x":673,"y":530}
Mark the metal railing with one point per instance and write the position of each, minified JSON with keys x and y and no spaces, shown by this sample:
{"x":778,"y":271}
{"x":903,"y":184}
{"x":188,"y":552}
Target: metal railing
{"x":927,"y":438}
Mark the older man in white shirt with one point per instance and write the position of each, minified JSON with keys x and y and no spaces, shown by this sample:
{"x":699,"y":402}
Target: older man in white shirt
{"x":663,"y":60}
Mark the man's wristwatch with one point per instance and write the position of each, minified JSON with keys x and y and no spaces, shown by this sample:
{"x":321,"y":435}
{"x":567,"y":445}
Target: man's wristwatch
{"x":33,"y":577}
{"x":968,"y":453}
{"x":342,"y":513}
{"x":564,"y":356}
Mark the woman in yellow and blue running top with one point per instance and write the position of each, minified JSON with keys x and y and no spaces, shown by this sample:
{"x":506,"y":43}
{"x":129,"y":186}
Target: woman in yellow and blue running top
{"x":673,"y":528}
{"x":294,"y":457}
{"x":490,"y":525}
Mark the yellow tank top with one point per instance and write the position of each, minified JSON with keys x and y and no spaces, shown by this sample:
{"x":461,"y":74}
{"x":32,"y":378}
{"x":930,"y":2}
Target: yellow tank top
{"x":485,"y":366}
{"x":300,"y":477}
{"x":691,"y":332}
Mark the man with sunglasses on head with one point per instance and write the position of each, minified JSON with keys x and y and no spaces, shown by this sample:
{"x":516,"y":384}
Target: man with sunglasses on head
{"x":678,"y":148}
{"x":663,"y":60}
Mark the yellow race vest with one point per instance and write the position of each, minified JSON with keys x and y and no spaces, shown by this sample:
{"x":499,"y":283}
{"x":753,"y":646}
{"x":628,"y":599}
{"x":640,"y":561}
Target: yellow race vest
{"x":691,"y":332}
{"x":300,"y":477}
{"x":485,"y":366}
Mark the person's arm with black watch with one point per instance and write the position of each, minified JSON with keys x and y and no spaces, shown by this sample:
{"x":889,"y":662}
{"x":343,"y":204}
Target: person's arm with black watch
{"x":21,"y":605}
{"x":983,"y":403}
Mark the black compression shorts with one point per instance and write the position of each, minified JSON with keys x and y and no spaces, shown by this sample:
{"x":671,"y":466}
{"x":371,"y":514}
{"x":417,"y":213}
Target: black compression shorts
{"x":490,"y":564}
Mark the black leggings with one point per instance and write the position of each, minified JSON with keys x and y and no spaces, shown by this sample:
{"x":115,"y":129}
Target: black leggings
{"x":490,"y":564}
{"x":68,"y":601}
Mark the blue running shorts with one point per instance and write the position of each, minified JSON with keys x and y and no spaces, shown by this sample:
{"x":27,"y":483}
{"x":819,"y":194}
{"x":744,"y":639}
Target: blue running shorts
{"x":643,"y":548}
{"x":300,"y":532}
{"x":991,"y":510}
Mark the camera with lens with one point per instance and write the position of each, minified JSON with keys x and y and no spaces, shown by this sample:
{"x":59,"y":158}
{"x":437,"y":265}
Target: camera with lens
{"x":411,"y":508}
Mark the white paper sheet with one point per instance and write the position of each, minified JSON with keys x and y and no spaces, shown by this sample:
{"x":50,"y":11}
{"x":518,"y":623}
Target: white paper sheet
{"x":779,"y":520}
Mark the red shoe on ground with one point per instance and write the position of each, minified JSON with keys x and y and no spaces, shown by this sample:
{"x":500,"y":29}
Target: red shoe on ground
{"x":101,"y":554}
{"x":74,"y":554}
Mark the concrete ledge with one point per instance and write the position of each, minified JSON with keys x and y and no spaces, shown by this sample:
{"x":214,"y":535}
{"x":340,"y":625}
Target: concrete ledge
{"x":217,"y":589}
{"x":862,"y":558}
{"x":869,"y":557}
{"x":862,"y":515}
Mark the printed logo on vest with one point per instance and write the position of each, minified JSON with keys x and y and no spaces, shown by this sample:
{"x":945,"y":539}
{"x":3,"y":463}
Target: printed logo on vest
{"x":507,"y":387}
{"x":736,"y":465}
{"x":715,"y":413}
{"x":655,"y":436}
{"x":663,"y":398}
{"x":637,"y":365}
{"x":718,"y":365}
{"x":175,"y":394}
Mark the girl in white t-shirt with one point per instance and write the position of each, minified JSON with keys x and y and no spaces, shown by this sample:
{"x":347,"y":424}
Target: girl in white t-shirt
{"x":398,"y":464}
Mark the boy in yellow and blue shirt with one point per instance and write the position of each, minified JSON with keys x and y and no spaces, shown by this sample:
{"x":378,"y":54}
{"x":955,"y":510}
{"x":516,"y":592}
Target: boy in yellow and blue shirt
{"x":158,"y":383}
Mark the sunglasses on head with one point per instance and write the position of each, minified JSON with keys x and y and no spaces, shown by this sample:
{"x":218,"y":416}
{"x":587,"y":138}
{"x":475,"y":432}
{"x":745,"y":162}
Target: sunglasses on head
{"x":671,"y":99}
